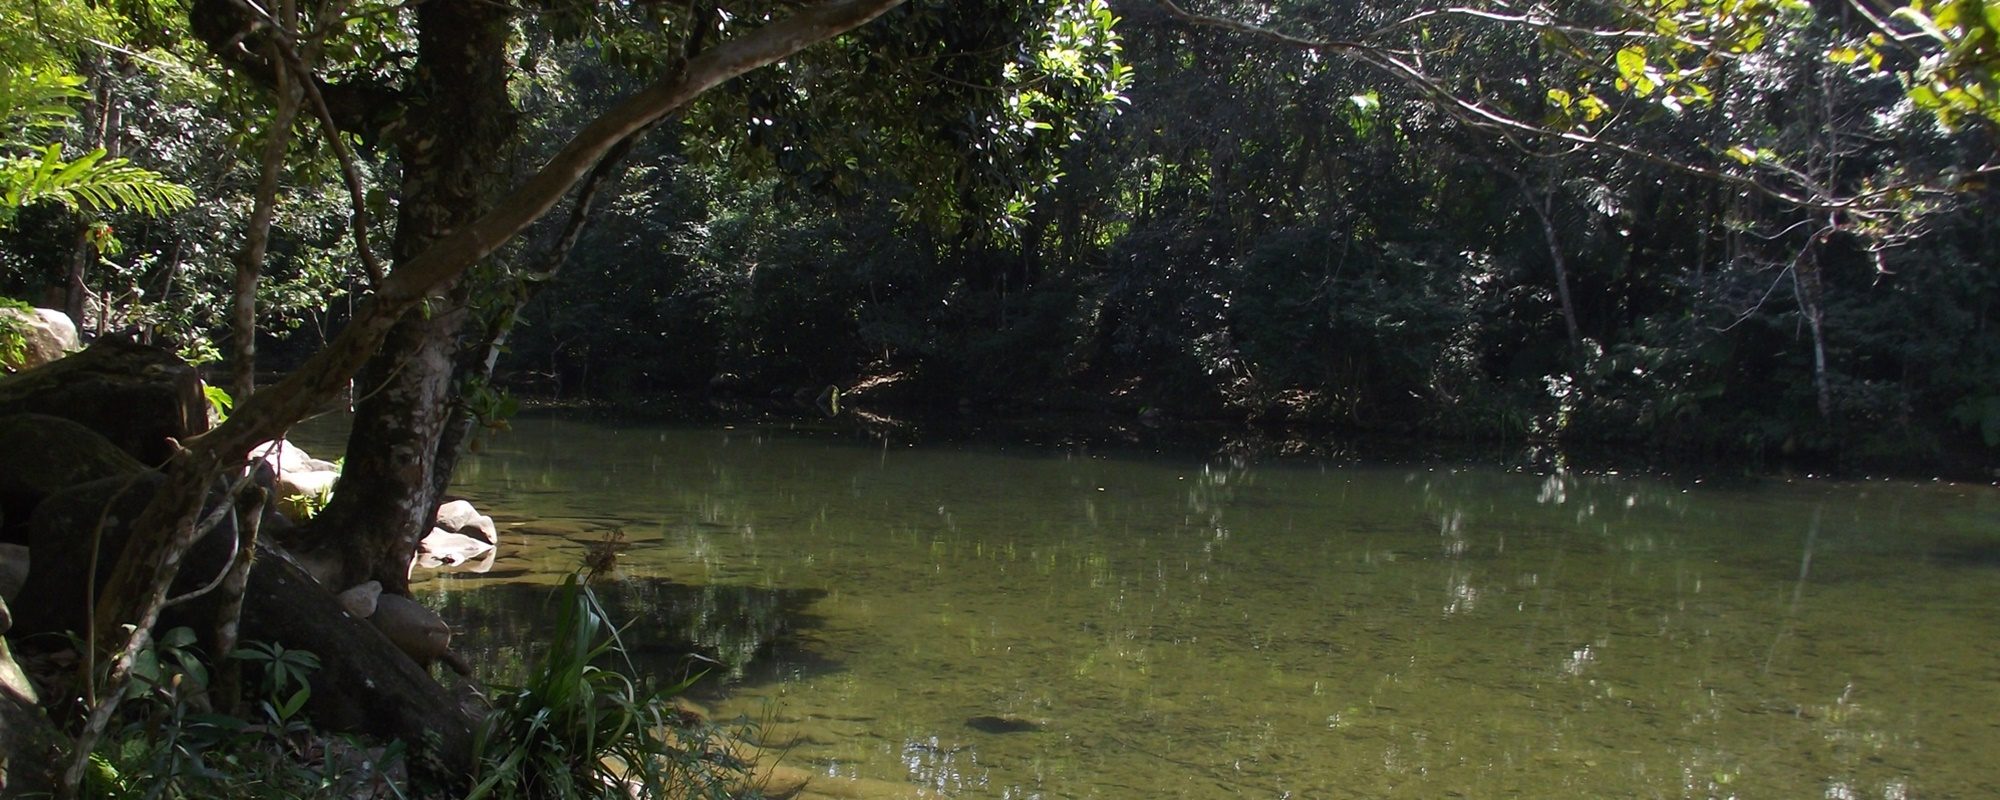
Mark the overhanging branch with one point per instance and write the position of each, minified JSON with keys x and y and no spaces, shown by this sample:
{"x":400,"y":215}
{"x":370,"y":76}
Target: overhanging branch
{"x":1805,"y":193}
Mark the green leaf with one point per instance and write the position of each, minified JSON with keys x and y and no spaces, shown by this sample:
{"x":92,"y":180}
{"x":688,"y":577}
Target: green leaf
{"x":36,"y":100}
{"x":177,"y":638}
{"x":298,"y":700}
{"x":1593,"y":107}
{"x":1632,"y":64}
{"x":91,"y":181}
{"x":1749,"y":43}
{"x":1926,"y":98}
{"x":218,"y":399}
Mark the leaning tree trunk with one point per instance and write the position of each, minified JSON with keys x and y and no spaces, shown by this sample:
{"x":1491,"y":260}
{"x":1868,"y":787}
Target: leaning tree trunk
{"x":134,"y":594}
{"x":385,"y":499}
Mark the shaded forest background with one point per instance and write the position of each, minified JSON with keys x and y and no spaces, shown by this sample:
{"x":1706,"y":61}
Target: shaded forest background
{"x":1252,"y":234}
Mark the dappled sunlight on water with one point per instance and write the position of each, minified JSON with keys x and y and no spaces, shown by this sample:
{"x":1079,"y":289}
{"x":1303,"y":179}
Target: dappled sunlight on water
{"x":1159,"y":627}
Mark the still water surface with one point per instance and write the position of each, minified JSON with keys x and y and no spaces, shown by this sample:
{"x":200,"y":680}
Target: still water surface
{"x":1173,"y":627}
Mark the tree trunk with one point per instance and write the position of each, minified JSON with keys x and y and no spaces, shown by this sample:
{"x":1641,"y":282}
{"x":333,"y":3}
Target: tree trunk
{"x":385,"y":498}
{"x":1806,"y":284}
{"x":476,"y":362}
{"x":250,"y":262}
{"x":1543,"y":206}
{"x":75,"y":286}
{"x":1561,"y":268}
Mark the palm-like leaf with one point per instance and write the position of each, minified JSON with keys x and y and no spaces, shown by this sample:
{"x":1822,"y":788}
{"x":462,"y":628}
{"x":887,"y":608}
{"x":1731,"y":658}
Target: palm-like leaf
{"x":90,"y":182}
{"x":34,"y":100}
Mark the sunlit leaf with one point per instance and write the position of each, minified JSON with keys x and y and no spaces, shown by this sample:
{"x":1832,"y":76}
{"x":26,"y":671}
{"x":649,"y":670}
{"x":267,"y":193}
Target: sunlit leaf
{"x":1632,"y":64}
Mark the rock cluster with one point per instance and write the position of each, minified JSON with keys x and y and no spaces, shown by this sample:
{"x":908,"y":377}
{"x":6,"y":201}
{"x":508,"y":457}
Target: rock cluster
{"x":463,"y":537}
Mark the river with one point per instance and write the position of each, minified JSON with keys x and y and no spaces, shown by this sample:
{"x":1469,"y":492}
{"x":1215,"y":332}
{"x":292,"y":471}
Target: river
{"x":986,"y":621}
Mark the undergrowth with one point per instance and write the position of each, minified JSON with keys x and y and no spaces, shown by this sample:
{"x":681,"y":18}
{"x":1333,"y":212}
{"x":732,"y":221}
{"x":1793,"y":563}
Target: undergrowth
{"x":577,"y":729}
{"x":174,"y":744}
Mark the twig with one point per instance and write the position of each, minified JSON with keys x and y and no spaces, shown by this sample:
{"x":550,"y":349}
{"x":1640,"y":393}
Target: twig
{"x":90,"y":592}
{"x":207,"y":525}
{"x":250,"y":511}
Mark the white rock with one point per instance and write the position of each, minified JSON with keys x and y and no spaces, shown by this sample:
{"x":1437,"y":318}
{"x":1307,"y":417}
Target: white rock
{"x":447,"y":548}
{"x":454,"y":515}
{"x":458,"y":516}
{"x":298,"y":490}
{"x":287,"y":457}
{"x":481,"y":528}
{"x":49,"y":335}
{"x":361,"y":599}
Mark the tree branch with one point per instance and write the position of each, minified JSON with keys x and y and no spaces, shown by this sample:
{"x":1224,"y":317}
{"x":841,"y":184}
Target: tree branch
{"x":285,"y":43}
{"x":234,"y":35}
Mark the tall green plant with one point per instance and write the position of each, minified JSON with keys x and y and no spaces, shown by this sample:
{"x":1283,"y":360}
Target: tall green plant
{"x":575,"y":729}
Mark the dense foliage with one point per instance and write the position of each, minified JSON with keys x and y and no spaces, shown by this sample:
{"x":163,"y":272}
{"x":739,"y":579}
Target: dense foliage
{"x":1260,"y":232}
{"x":1756,"y":228}
{"x":1733,"y":226}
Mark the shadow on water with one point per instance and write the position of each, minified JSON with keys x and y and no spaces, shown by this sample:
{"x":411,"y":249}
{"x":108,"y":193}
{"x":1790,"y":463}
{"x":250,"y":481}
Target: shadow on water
{"x":736,"y":635}
{"x":1966,"y":552}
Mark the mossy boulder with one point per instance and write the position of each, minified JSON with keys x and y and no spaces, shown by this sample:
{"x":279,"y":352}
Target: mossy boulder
{"x":141,"y":398}
{"x":41,"y":455}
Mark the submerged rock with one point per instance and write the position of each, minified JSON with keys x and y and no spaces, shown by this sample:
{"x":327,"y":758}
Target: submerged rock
{"x":1002,"y":724}
{"x":442,"y":548}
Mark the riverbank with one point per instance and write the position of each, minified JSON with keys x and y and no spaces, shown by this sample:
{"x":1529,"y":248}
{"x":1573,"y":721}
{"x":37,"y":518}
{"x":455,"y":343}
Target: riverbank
{"x":1113,"y":427}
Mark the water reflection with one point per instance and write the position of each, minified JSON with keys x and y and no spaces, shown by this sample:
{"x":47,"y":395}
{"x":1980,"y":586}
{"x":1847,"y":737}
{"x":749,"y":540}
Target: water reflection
{"x":1223,"y":628}
{"x":675,"y":630}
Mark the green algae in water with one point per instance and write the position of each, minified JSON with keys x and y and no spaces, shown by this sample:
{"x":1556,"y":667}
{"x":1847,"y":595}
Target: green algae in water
{"x":1189,"y":628}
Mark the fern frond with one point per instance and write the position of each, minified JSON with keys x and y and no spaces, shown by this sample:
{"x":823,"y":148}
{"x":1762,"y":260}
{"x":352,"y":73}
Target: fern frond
{"x":34,"y":100}
{"x":90,"y":182}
